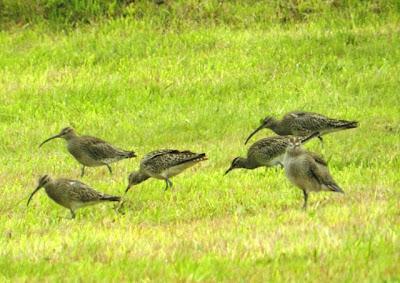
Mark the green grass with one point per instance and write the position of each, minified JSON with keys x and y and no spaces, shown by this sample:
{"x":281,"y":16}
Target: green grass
{"x":204,"y":89}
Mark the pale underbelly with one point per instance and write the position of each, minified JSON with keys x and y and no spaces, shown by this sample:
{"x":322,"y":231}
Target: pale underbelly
{"x":59,"y":200}
{"x":275,"y":161}
{"x":87,"y":160}
{"x":170,"y":172}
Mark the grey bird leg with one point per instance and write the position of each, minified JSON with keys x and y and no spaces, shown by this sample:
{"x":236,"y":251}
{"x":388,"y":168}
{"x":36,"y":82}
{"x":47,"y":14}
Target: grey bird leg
{"x":82,"y":171}
{"x":72,"y":214}
{"x":305,"y":199}
{"x":109,"y":168}
{"x":320,"y":138}
{"x":168,"y":184}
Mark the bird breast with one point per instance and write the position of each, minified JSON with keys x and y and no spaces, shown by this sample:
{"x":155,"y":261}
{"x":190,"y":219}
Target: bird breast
{"x":58,"y":195}
{"x":170,"y":171}
{"x":297,"y":170}
{"x":78,"y":151}
{"x":175,"y":170}
{"x":276,"y":161}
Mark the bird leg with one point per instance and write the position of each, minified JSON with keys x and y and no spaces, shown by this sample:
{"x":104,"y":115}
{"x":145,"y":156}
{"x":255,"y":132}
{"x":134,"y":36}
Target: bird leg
{"x":168,"y":184}
{"x":305,"y":199}
{"x":72,"y":214}
{"x":82,"y":171}
{"x":321,"y":140}
{"x":109,"y":169}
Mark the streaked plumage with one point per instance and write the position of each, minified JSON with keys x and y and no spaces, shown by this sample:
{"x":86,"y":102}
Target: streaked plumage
{"x":91,"y":151}
{"x":307,"y":170}
{"x":266,"y":152}
{"x":304,"y":123}
{"x":71,"y":194}
{"x":164,"y":164}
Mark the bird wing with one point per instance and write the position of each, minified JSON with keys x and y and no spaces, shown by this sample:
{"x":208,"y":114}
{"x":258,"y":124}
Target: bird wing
{"x":176,"y":158}
{"x":81,"y":192}
{"x":156,"y":153}
{"x":101,"y":150}
{"x":302,"y":123}
{"x":170,"y":157}
{"x":318,"y":158}
{"x":321,"y":174}
{"x":267,"y":149}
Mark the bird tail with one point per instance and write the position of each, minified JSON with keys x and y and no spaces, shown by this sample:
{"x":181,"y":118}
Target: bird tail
{"x":335,"y":188}
{"x":343,"y":124}
{"x":111,"y":198}
{"x":199,"y":157}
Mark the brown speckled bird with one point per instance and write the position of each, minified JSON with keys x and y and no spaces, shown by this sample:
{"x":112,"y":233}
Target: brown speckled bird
{"x":71,"y":194}
{"x":164,"y":164}
{"x":266,"y":152}
{"x":303,"y":123}
{"x":307,"y":170}
{"x":91,"y":151}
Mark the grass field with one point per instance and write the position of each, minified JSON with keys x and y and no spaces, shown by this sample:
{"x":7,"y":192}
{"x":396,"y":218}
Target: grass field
{"x":205,"y":89}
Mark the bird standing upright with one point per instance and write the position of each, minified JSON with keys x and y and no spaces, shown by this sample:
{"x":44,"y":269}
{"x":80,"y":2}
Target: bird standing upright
{"x":303,"y":123}
{"x":71,"y":194}
{"x":307,"y":170}
{"x":164,"y":164}
{"x":91,"y":151}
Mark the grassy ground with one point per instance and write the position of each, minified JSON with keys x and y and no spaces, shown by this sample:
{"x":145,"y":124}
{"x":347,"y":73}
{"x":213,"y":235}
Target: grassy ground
{"x":204,"y":89}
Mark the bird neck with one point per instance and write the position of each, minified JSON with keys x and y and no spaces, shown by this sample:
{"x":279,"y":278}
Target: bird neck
{"x":48,"y":186}
{"x":294,"y":152}
{"x":140,"y":177}
{"x":71,"y":135}
{"x":276,"y":126}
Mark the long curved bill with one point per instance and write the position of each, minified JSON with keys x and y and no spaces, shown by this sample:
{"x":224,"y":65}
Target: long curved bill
{"x":127,"y":188}
{"x":229,"y":170}
{"x":34,"y":192}
{"x":50,"y":138}
{"x":253,"y":133}
{"x":309,"y":137}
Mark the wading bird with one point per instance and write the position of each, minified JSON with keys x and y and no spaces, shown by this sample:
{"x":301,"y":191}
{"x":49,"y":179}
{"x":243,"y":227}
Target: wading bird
{"x":71,"y":194}
{"x":307,"y":170}
{"x":164,"y":164}
{"x":91,"y":151}
{"x":302,"y":124}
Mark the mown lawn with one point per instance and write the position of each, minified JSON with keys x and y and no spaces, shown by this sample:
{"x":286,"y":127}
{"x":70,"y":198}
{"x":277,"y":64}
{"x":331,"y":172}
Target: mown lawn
{"x":203,"y":89}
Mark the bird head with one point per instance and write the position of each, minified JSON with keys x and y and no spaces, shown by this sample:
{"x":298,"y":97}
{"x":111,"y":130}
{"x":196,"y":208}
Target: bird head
{"x":41,"y":183}
{"x":135,"y":178}
{"x":65,"y":133}
{"x":294,"y":143}
{"x":264,"y":124}
{"x":236,"y":163}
